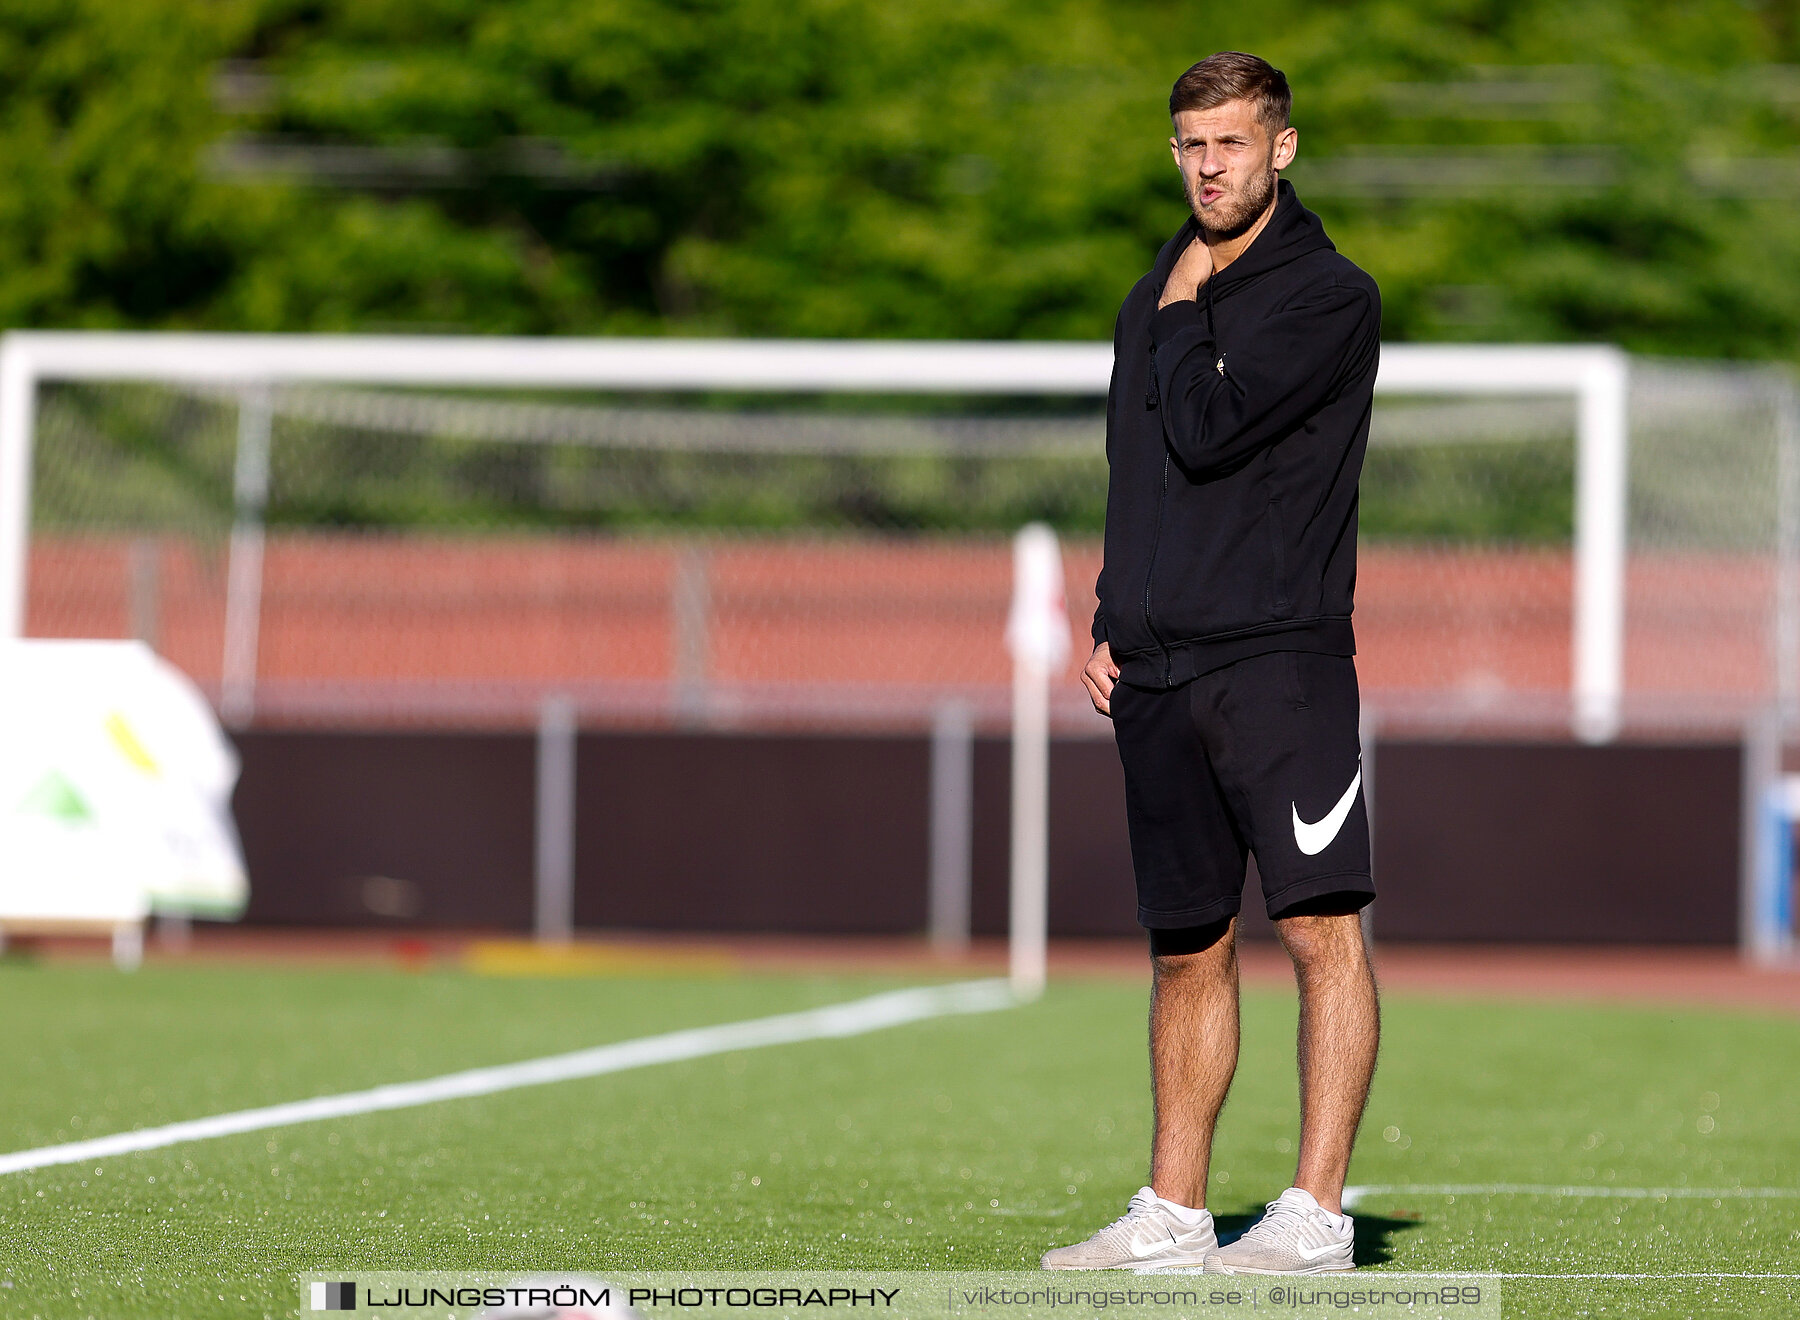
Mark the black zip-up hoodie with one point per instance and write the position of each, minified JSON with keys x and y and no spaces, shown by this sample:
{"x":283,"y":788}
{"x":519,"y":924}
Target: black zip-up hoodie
{"x":1235,"y":431}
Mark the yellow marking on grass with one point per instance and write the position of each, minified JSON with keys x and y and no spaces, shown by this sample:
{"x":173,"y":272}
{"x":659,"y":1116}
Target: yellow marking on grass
{"x":525,"y":958}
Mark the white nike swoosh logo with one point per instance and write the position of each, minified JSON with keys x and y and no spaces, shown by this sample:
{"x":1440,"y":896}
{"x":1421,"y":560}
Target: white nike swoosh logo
{"x":1142,"y":1250}
{"x":1146,"y":1250}
{"x":1315,"y":837}
{"x":1316,"y":1253}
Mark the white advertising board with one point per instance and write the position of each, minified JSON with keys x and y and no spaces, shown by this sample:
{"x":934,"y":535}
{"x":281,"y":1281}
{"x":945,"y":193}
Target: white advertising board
{"x":115,"y":789}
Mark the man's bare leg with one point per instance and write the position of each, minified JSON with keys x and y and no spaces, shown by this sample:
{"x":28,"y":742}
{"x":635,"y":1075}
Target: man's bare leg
{"x":1193,"y":1054}
{"x":1340,"y":1030}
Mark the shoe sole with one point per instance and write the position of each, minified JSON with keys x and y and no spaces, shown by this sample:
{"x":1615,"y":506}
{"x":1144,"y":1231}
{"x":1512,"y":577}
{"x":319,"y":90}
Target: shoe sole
{"x":1245,"y":1269}
{"x":1149,"y":1263}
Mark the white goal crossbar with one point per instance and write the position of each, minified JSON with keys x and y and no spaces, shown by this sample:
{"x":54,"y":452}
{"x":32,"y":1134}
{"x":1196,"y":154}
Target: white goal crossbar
{"x":1596,"y":376}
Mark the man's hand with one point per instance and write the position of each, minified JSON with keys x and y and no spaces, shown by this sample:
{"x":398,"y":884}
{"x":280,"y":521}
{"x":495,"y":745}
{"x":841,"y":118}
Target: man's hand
{"x":1194,"y":268}
{"x":1098,"y":676}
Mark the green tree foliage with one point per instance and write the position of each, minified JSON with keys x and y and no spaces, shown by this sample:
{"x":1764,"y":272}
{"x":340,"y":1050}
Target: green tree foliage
{"x":1567,"y":169}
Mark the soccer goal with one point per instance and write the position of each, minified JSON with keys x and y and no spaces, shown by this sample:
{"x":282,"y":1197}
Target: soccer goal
{"x":381,"y":531}
{"x":306,"y":379}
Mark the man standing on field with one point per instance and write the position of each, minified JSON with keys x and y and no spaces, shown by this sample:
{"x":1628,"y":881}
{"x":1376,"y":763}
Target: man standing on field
{"x":1243,"y":373}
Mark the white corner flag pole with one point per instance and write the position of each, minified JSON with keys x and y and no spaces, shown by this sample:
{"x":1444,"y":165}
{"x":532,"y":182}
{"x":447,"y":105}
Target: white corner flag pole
{"x":1037,"y":634}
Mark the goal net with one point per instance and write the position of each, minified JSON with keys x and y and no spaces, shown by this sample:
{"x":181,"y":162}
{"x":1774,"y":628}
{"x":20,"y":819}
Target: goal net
{"x":394,"y":532}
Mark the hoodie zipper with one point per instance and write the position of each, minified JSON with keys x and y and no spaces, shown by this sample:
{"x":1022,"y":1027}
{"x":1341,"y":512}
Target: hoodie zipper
{"x":1152,"y":403}
{"x":1153,"y":400}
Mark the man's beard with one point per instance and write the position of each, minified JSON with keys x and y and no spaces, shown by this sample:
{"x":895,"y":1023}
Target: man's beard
{"x":1223,"y":225}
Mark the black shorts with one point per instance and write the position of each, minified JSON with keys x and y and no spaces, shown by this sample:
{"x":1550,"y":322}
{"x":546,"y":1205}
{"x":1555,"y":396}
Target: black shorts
{"x":1259,"y":757}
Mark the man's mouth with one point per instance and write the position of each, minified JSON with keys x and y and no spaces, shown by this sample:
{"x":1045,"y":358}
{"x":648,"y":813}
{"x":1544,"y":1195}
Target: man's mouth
{"x":1210,"y":193}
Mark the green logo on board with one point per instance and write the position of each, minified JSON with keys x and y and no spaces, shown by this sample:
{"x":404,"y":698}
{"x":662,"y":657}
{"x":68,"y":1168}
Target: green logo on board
{"x":56,"y":797}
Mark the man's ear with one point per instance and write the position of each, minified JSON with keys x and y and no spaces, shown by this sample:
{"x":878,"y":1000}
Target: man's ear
{"x":1175,"y":151}
{"x":1287,"y":142}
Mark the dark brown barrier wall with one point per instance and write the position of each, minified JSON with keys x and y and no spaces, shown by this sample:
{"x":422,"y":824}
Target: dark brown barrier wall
{"x":689,"y":831}
{"x":398,"y":829}
{"x":751,"y":833}
{"x":1484,"y":841}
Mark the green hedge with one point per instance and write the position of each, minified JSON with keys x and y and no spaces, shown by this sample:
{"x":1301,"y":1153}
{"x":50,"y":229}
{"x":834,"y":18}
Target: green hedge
{"x":956,"y":168}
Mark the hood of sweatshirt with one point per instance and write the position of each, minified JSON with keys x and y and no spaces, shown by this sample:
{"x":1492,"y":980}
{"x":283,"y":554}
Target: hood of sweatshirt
{"x":1292,"y":232}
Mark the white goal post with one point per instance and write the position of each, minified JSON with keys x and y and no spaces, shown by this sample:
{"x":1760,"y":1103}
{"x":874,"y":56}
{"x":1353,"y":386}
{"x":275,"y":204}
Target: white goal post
{"x":1596,"y":377}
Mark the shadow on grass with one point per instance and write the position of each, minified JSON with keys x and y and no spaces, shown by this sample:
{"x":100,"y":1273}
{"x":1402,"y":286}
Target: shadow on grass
{"x":1374,"y":1234}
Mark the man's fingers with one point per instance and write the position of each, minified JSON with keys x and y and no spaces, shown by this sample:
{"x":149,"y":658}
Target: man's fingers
{"x":1098,"y":675}
{"x":1100,"y":695}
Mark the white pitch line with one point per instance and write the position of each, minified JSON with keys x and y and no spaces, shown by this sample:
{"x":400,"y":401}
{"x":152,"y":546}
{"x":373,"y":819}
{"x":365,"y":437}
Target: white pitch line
{"x":1365,"y":1276}
{"x":1356,"y":1193}
{"x":854,"y":1018}
{"x":1634,"y":1277}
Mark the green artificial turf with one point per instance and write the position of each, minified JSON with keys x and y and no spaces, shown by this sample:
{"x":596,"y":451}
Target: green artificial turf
{"x":963,"y":1142}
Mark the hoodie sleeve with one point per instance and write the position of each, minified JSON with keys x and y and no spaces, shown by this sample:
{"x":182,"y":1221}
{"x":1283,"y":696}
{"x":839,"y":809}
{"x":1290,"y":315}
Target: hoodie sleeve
{"x":1222,"y":402}
{"x":1098,"y":628}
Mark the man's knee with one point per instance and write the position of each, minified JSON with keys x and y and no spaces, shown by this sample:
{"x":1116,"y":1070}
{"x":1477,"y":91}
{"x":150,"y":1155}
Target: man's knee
{"x":1193,"y":950}
{"x":1322,"y":939}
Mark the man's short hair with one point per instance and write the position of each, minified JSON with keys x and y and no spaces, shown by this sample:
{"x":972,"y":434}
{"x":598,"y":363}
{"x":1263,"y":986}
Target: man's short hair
{"x":1234,"y":76}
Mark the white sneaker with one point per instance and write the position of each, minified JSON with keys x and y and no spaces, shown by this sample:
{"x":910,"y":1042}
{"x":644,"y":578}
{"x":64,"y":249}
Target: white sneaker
{"x":1295,"y":1236}
{"x":1147,"y":1236}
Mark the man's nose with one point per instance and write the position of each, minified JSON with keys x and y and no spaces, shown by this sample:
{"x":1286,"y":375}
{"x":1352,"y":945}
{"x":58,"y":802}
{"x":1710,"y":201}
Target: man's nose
{"x":1211,"y":166}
